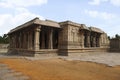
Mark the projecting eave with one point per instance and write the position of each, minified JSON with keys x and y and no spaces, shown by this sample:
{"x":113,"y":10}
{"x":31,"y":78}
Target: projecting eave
{"x":68,"y":22}
{"x":48,"y":23}
{"x":94,"y":29}
{"x":84,"y":27}
{"x":27,"y":24}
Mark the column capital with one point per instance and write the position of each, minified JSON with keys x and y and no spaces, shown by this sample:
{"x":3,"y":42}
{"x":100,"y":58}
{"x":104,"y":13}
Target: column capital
{"x":37,"y":29}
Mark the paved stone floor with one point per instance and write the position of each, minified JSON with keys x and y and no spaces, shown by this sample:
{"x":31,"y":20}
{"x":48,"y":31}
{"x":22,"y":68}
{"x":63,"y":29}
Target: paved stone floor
{"x":110,"y":59}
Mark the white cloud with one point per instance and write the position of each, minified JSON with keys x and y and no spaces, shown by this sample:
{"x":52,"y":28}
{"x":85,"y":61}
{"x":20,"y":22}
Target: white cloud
{"x":106,"y":21}
{"x":20,"y":15}
{"x":6,"y":5}
{"x":9,"y":21}
{"x":115,"y":2}
{"x":93,"y":14}
{"x":3,"y":19}
{"x":21,"y":3}
{"x":107,"y":16}
{"x":101,"y":15}
{"x":98,"y":2}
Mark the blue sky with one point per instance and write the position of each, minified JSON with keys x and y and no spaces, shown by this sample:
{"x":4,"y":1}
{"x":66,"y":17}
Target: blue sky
{"x":104,"y":14}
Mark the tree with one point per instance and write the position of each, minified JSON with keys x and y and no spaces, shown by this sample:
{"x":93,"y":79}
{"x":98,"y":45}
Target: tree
{"x":4,"y":39}
{"x":109,"y":37}
{"x":117,"y":36}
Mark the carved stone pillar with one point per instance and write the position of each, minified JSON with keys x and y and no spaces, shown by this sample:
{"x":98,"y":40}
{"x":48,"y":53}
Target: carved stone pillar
{"x":51,"y":39}
{"x":98,"y":41}
{"x":88,"y":39}
{"x":36,"y":38}
{"x":20,"y":40}
{"x":22,"y":44}
{"x":24,"y":38}
{"x":43,"y":41}
{"x":30,"y":40}
{"x":15,"y":42}
{"x":82,"y":38}
{"x":94,"y":40}
{"x":10,"y":39}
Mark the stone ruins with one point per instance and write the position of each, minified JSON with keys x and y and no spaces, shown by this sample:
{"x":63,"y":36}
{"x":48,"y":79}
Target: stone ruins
{"x":115,"y":45}
{"x":61,"y":38}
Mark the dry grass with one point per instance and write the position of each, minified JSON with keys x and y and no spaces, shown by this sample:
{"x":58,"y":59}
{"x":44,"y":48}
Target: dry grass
{"x":58,"y":69}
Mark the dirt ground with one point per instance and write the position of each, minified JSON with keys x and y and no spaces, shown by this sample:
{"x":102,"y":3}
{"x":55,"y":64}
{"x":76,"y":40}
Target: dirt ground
{"x":59,"y":69}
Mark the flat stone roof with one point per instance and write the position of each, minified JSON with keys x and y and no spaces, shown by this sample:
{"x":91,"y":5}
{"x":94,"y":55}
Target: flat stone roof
{"x":50,"y":23}
{"x":37,"y":21}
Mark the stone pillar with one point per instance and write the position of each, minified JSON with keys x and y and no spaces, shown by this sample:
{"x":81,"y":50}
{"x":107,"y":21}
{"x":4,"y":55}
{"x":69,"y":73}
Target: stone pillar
{"x":30,"y":40}
{"x":13,"y":41}
{"x":82,"y":39}
{"x":88,"y":39}
{"x":24,"y":41}
{"x":94,"y":40}
{"x":98,"y":41}
{"x":43,"y":41}
{"x":20,"y":40}
{"x":10,"y":39}
{"x":51,"y":39}
{"x":36,"y":38}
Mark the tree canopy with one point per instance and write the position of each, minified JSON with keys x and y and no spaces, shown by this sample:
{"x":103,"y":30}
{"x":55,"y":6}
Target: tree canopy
{"x":4,"y":39}
{"x":117,"y":36}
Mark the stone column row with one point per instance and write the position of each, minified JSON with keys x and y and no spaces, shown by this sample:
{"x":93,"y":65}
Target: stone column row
{"x":22,"y":40}
{"x":96,"y":40}
{"x":91,"y":40}
{"x":49,"y":39}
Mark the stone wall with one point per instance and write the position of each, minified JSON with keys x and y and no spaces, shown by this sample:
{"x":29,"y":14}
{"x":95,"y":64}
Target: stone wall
{"x":104,"y":41}
{"x":115,"y":45}
{"x":4,"y":48}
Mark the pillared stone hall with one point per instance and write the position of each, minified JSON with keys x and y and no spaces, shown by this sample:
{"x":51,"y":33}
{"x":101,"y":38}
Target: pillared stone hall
{"x":37,"y":37}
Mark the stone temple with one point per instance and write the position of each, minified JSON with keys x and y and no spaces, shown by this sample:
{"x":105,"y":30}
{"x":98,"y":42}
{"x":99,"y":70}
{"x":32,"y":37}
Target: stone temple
{"x":38,"y":37}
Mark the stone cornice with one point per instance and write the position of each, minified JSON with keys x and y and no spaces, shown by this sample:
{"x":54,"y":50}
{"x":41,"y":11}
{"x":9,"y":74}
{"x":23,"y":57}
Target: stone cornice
{"x":70,"y":23}
{"x":94,"y":29}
